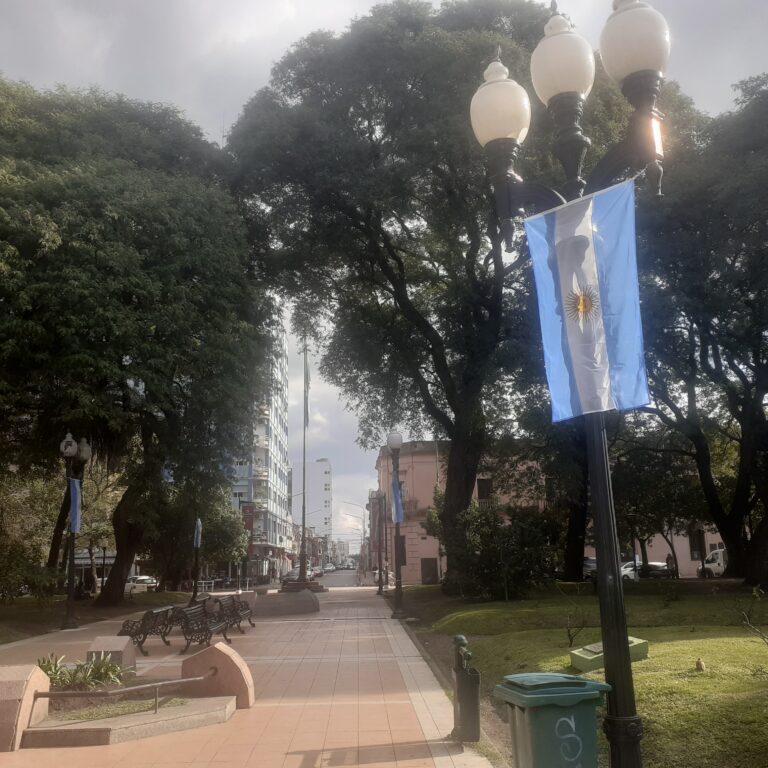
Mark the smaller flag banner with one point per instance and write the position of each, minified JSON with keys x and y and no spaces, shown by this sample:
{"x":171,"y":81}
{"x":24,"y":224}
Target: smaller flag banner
{"x":75,"y":504}
{"x":585,"y":267}
{"x":198,"y":533}
{"x":397,"y":502}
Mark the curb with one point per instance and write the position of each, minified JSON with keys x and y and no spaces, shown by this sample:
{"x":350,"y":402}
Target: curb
{"x":447,"y":686}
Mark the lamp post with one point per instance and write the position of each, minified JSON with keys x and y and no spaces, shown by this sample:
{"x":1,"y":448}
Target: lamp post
{"x":197,"y":541}
{"x":635,"y":48}
{"x":395,"y":443}
{"x":103,"y":565}
{"x":76,"y":456}
{"x":382,"y":500}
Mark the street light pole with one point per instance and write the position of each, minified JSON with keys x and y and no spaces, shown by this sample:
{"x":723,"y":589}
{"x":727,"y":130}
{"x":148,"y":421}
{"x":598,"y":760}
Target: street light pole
{"x":196,"y":567}
{"x":634,"y":48}
{"x":76,"y":456}
{"x":395,"y":442}
{"x":303,"y":549}
{"x":382,"y":533}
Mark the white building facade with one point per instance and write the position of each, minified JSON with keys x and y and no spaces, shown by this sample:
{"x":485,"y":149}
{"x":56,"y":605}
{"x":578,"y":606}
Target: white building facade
{"x":319,"y":496}
{"x":260,"y":486}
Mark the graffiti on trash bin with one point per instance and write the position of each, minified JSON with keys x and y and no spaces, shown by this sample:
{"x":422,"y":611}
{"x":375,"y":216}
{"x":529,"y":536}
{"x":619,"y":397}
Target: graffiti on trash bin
{"x":571,"y":745}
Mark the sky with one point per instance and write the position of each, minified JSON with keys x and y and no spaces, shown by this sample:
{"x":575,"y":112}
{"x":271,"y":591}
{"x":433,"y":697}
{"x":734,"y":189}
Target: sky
{"x":208,"y":57}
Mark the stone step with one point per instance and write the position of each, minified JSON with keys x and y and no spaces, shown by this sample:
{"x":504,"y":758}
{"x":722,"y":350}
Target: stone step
{"x":113,"y":730}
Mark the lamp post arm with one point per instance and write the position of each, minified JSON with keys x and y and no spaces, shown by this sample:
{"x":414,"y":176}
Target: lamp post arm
{"x":535,"y":196}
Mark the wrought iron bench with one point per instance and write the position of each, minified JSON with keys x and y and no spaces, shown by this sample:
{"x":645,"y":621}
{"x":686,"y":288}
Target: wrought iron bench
{"x":234,"y":611}
{"x":154,"y":622}
{"x":199,"y":626}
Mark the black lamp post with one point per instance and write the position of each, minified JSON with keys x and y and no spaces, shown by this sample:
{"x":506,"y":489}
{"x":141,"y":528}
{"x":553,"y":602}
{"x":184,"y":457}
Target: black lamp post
{"x":395,"y":443}
{"x":382,"y":502}
{"x":634,"y":47}
{"x":76,"y":456}
{"x":197,"y":541}
{"x":103,"y":566}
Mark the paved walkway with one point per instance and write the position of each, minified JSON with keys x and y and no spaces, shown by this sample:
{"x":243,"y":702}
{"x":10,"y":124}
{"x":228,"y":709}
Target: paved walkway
{"x":345,"y":687}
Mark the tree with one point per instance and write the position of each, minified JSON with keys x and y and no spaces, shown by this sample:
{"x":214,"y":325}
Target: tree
{"x":368,"y":202}
{"x":171,"y":548}
{"x":656,"y":488}
{"x":127,"y":315}
{"x":706,"y":292}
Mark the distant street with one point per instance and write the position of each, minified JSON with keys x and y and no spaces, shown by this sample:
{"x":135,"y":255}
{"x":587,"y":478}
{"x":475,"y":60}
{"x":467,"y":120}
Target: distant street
{"x":339,"y":579}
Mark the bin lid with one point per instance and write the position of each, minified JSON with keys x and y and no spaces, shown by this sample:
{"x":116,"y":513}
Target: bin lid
{"x":538,"y":689}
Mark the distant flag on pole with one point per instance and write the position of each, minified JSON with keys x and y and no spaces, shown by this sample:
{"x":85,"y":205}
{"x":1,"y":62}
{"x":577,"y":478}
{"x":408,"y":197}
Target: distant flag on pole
{"x":75,"y":504}
{"x":306,"y":386}
{"x":397,"y":501}
{"x":198,"y":533}
{"x":585,"y":268}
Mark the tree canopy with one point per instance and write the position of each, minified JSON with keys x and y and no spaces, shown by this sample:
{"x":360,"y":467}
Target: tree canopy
{"x":131,"y":313}
{"x":359,"y":169}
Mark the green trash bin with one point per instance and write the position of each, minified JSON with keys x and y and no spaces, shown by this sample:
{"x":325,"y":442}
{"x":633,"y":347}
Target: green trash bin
{"x":552,"y":719}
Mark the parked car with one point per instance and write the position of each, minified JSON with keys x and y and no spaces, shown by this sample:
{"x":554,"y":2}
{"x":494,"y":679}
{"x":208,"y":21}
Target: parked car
{"x":292,"y":575}
{"x":150,"y":582}
{"x":714,"y":564}
{"x":590,"y":568}
{"x":317,"y":572}
{"x":329,"y":567}
{"x":630,"y":571}
{"x":655,"y":571}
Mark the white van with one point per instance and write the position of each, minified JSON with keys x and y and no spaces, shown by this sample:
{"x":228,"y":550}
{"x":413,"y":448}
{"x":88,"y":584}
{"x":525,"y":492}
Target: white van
{"x":714,"y":565}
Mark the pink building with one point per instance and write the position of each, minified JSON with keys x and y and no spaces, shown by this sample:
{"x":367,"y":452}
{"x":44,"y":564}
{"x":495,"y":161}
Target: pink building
{"x":422,"y":465}
{"x":421,"y":470}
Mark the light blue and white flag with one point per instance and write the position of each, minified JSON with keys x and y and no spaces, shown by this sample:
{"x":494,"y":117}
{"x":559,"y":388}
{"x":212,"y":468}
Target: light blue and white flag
{"x":585,"y":267}
{"x":75,"y":505}
{"x":397,"y":502}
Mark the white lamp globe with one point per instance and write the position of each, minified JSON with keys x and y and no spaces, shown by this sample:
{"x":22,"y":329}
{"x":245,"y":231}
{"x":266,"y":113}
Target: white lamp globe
{"x":563,"y":62}
{"x":394,"y":441}
{"x":635,"y":38}
{"x":500,"y":108}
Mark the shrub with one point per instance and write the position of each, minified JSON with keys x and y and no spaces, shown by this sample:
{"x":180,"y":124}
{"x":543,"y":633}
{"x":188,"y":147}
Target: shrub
{"x":83,"y":675}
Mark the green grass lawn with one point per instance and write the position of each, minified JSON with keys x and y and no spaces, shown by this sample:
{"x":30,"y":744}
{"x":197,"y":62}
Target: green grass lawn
{"x":704,"y":719}
{"x":25,"y":618}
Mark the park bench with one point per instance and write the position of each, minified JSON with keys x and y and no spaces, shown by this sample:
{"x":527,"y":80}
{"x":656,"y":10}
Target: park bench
{"x":198,"y":625}
{"x":234,"y":611}
{"x":154,"y":622}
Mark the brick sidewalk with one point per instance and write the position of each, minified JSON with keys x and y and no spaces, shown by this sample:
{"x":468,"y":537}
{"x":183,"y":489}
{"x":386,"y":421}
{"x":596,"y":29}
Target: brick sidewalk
{"x":345,"y":687}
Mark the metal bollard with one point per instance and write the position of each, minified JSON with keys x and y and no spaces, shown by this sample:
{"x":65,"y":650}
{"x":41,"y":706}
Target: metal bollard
{"x":466,"y":694}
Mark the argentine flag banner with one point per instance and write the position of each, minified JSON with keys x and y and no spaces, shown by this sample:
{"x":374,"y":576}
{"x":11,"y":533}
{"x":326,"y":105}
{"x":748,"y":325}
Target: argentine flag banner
{"x":398,"y":514}
{"x":75,"y":504}
{"x":585,"y":268}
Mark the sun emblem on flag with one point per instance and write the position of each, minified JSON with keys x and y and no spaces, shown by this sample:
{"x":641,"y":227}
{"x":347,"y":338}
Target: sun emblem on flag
{"x":582,"y":303}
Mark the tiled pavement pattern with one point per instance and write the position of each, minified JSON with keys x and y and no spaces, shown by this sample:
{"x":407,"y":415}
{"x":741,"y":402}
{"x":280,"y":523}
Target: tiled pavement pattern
{"x":345,"y":687}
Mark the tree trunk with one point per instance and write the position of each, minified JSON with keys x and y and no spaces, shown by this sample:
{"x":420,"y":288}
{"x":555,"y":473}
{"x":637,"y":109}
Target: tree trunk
{"x":643,"y":552}
{"x":668,"y":538}
{"x":92,"y":558}
{"x":578,"y":508}
{"x":58,"y":532}
{"x":129,"y":534}
{"x":756,"y":560}
{"x":463,"y":461}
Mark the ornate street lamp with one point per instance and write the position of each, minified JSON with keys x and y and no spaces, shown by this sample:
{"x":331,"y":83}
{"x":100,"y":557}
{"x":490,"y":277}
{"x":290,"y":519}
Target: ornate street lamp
{"x":197,"y":540}
{"x":76,"y":456}
{"x":635,"y":48}
{"x":395,"y":443}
